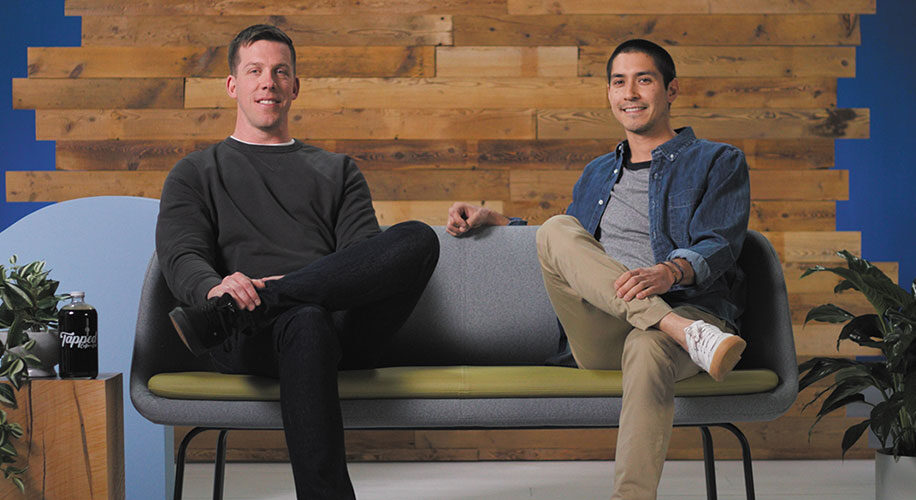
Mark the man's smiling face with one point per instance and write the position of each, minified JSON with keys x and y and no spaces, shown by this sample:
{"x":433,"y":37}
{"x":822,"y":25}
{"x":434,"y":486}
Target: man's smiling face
{"x":637,"y":94}
{"x":264,"y":85}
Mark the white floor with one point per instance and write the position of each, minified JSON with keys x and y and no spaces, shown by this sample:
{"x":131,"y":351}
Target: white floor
{"x":682,"y":480}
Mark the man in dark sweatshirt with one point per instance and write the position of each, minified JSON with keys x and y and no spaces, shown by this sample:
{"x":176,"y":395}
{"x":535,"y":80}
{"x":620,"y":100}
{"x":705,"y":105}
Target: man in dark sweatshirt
{"x":275,"y":248}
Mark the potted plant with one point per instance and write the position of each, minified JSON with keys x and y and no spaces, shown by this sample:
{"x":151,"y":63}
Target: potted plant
{"x":28,"y":312}
{"x":892,"y":330}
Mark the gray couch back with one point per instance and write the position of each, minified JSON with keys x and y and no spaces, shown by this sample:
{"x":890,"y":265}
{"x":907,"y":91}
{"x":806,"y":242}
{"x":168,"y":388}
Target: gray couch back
{"x":485,"y":304}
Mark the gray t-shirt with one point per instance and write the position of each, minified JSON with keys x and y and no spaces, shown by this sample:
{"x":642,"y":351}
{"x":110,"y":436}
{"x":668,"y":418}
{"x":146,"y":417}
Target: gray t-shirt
{"x":625,"y":223}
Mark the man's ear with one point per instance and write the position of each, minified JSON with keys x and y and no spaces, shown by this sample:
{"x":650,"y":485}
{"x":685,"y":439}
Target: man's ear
{"x":296,"y":88}
{"x":230,"y":87}
{"x":673,"y":89}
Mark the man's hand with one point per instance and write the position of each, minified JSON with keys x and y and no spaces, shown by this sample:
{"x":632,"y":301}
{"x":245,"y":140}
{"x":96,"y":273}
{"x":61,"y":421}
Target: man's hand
{"x":644,"y":282}
{"x":462,"y":217}
{"x":242,"y":288}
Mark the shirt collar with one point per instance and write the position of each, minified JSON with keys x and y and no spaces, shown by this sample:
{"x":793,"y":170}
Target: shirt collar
{"x":670,"y":149}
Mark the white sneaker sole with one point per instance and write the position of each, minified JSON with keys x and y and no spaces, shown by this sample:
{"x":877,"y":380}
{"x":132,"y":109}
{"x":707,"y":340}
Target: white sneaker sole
{"x":726,"y":357}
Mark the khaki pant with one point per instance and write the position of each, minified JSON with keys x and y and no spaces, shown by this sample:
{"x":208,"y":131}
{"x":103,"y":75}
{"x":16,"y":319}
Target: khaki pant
{"x":607,"y":333}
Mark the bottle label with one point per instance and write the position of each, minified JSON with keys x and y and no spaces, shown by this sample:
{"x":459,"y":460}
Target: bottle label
{"x":75,"y":341}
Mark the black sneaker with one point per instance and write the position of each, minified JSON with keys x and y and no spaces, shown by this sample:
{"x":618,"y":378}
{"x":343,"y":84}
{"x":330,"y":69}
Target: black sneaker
{"x":205,"y":327}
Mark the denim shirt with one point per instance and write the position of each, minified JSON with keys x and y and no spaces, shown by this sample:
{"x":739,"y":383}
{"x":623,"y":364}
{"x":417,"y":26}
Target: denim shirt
{"x":699,"y":204}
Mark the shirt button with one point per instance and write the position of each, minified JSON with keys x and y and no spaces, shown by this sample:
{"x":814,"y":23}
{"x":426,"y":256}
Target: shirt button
{"x":601,"y":202}
{"x":656,"y":176}
{"x":671,"y":157}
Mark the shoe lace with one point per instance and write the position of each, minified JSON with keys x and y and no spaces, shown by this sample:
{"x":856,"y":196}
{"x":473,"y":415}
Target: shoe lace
{"x":704,"y":340}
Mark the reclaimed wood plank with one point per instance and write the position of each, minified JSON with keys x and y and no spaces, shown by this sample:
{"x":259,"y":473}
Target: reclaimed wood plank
{"x":438,"y":185}
{"x":163,"y":62}
{"x":305,"y":124}
{"x":132,"y":155}
{"x":793,"y":216}
{"x":126,"y":93}
{"x":521,"y":92}
{"x":385,"y":185}
{"x":557,"y":154}
{"x":434,"y":213}
{"x":439,"y":92}
{"x":560,"y":154}
{"x":803,"y":185}
{"x":611,"y":30}
{"x":217,"y":31}
{"x":507,"y":61}
{"x":535,"y":7}
{"x":799,"y":185}
{"x":815,"y":247}
{"x":849,"y":123}
{"x":287,"y":8}
{"x":745,"y":61}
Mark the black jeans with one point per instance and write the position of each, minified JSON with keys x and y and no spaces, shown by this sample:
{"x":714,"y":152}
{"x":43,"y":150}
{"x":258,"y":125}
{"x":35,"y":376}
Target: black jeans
{"x":336,"y":313}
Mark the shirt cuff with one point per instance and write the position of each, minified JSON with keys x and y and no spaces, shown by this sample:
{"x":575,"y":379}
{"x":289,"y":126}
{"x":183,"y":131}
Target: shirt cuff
{"x":701,"y":271}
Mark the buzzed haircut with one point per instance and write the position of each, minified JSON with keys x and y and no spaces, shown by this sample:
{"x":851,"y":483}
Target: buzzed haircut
{"x":254,"y":33}
{"x":663,"y":61}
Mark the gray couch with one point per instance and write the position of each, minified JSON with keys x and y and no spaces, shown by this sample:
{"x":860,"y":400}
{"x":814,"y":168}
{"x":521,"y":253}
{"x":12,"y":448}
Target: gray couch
{"x":485,"y":307}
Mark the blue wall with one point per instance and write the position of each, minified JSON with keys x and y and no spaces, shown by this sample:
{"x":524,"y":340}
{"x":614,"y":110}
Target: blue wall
{"x":882,"y":175}
{"x":25,"y":23}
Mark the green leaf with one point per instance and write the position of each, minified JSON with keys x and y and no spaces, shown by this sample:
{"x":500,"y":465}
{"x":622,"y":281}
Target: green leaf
{"x":9,"y":449}
{"x":819,"y":368}
{"x":853,"y":434}
{"x":828,"y":313}
{"x":15,"y":296}
{"x":864,"y":330}
{"x":884,"y":415}
{"x":7,"y":395}
{"x":19,"y":484}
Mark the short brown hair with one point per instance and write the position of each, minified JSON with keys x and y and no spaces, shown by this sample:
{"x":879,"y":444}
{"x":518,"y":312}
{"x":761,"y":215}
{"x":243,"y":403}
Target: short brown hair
{"x":254,"y":33}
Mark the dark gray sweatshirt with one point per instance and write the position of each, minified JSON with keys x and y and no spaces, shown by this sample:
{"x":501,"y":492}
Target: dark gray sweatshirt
{"x":259,"y":210}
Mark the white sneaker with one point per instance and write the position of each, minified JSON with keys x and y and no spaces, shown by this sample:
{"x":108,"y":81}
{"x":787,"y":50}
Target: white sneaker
{"x":713,"y":350}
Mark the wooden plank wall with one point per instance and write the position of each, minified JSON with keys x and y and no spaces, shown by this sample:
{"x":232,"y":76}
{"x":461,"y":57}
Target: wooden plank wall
{"x":495,"y":101}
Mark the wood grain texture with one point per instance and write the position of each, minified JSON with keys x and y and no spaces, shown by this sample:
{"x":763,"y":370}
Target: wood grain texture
{"x":518,"y":62}
{"x":216,"y":31}
{"x":534,"y":7}
{"x":434,"y":213}
{"x":385,"y":185}
{"x":286,"y":8}
{"x":521,"y":92}
{"x":125,"y":93}
{"x":163,"y":62}
{"x":785,"y":154}
{"x":556,"y":185}
{"x":816,"y":247}
{"x":845,"y":123}
{"x":73,"y":443}
{"x":305,"y":124}
{"x":792,"y":216}
{"x":610,"y":30}
{"x":771,"y":62}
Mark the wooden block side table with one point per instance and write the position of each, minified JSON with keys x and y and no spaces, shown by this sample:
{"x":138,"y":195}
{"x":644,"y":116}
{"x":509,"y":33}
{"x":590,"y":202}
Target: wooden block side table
{"x":73,"y":441}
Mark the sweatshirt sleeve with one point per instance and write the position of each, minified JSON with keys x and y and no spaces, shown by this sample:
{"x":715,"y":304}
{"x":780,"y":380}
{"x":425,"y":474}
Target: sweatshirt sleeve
{"x":355,"y":218}
{"x":185,"y":236}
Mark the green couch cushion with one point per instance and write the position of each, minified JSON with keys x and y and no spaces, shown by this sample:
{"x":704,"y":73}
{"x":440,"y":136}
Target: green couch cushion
{"x":453,"y":382}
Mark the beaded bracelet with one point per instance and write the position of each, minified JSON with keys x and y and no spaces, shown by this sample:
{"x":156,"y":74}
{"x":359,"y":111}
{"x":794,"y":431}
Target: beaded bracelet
{"x":674,"y":270}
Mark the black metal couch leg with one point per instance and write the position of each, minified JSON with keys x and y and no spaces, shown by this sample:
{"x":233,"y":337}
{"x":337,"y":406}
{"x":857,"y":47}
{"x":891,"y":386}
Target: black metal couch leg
{"x":179,"y":462}
{"x":219,"y":471}
{"x":709,"y":463}
{"x":745,"y":459}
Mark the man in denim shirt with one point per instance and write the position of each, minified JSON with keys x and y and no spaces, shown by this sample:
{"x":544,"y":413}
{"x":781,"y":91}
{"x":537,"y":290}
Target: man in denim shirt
{"x":641,"y":270}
